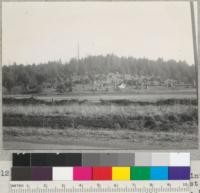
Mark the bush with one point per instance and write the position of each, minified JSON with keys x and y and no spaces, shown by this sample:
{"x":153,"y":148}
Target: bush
{"x":61,"y":88}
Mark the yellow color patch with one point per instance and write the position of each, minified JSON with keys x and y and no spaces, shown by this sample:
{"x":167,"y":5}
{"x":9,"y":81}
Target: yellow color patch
{"x":120,"y":173}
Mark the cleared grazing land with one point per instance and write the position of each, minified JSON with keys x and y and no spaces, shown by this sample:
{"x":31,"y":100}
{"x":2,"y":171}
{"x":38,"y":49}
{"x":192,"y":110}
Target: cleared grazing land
{"x":139,"y":120}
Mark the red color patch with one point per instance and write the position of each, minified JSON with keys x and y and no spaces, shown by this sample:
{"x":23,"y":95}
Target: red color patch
{"x":102,"y":173}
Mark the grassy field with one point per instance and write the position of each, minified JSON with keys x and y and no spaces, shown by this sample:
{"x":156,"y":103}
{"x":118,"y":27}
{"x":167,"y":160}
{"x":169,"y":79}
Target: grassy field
{"x":126,"y":120}
{"x":84,"y":138}
{"x":140,"y":95}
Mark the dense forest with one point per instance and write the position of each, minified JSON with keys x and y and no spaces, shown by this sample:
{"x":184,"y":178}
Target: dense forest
{"x":19,"y":78}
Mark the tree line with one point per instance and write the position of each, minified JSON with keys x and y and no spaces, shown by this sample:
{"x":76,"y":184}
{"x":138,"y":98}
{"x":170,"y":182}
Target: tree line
{"x":19,"y":78}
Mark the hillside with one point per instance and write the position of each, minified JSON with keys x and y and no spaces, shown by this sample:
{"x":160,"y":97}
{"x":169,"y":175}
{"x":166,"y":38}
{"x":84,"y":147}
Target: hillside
{"x":95,"y":73}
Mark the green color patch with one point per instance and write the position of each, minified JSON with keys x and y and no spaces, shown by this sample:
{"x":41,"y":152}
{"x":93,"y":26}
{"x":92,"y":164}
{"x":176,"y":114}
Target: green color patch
{"x":140,"y":173}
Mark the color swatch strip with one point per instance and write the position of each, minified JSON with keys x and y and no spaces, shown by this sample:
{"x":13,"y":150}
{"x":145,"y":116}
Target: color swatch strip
{"x":101,"y":159}
{"x":100,"y":173}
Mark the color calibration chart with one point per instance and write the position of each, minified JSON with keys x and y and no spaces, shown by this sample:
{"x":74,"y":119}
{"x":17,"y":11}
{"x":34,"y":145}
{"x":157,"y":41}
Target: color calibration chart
{"x":100,"y":172}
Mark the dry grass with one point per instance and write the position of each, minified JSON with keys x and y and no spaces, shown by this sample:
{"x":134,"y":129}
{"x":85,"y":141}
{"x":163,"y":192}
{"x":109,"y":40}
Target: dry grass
{"x":182,"y":118}
{"x":93,"y":110}
{"x":161,"y":115}
{"x":103,"y":138}
{"x":119,"y":120}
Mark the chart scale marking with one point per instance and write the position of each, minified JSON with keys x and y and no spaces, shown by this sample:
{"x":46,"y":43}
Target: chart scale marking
{"x":100,"y":187}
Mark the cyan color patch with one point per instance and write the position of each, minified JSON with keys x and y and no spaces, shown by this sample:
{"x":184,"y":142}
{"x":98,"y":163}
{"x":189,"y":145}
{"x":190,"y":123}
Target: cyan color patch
{"x":159,"y":173}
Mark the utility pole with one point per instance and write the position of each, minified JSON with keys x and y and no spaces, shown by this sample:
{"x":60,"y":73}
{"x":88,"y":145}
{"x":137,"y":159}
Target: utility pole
{"x":78,"y":52}
{"x":194,"y":42}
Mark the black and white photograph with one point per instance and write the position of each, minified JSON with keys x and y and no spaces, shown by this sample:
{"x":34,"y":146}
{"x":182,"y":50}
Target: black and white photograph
{"x":100,"y":75}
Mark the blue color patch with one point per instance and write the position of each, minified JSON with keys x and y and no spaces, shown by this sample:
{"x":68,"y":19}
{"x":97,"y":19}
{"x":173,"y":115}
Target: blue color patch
{"x":159,"y":173}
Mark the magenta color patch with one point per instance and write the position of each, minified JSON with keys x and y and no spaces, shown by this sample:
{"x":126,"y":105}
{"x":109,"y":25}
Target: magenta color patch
{"x":82,"y":173}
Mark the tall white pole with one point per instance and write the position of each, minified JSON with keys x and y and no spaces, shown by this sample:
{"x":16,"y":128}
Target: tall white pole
{"x":78,"y":51}
{"x":194,"y":41}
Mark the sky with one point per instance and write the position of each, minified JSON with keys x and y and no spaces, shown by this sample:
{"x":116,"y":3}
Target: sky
{"x":34,"y":32}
